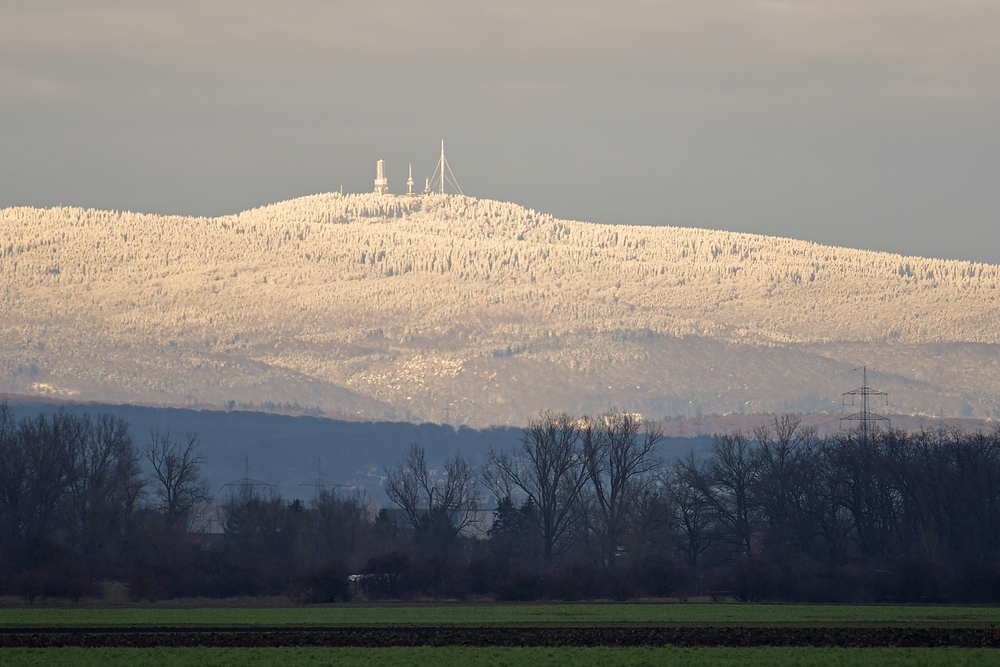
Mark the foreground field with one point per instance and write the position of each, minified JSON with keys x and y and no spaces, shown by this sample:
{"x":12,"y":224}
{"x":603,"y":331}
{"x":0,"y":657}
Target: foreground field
{"x":494,"y":636}
{"x":540,"y":615}
{"x":497,"y":657}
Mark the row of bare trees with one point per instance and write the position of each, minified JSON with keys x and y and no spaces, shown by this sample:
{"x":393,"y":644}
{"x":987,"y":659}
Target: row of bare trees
{"x":67,"y":476}
{"x":594,"y":492}
{"x":580,"y":507}
{"x":72,"y":489}
{"x":582,"y":476}
{"x":76,"y":508}
{"x":851,"y":496}
{"x":577,"y":479}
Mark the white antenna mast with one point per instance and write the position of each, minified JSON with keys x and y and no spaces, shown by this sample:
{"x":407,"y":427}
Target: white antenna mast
{"x":409,"y":183}
{"x":443,"y":175}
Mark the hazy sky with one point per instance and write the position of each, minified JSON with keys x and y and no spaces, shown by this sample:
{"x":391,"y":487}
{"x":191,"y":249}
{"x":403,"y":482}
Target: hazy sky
{"x":859,"y":123}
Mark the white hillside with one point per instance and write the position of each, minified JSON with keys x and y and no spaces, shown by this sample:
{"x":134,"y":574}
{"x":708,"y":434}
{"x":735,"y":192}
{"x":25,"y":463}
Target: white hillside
{"x":479,"y":312}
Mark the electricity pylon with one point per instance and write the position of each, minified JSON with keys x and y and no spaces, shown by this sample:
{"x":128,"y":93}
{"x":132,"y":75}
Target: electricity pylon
{"x":867,"y":420}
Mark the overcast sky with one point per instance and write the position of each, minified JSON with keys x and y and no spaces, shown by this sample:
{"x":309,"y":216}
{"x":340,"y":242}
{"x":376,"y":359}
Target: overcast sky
{"x":858,"y":123}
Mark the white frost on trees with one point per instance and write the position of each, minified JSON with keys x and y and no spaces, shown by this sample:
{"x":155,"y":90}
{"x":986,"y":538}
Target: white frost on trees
{"x":392,"y":296}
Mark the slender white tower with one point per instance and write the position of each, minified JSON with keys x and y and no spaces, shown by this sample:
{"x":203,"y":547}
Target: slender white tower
{"x":443,"y":175}
{"x":441,"y":165}
{"x":409,"y":183}
{"x":381,"y":182}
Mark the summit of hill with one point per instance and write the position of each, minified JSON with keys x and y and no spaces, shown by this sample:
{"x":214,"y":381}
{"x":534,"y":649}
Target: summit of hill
{"x":478,"y":312}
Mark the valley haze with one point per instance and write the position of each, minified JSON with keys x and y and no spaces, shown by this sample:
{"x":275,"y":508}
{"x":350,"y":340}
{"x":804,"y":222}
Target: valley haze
{"x":478,"y":312}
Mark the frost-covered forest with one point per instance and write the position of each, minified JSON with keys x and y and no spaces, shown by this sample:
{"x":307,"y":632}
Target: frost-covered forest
{"x":449,"y":308}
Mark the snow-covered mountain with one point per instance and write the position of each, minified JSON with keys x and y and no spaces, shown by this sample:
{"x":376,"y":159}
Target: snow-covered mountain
{"x":449,"y":308}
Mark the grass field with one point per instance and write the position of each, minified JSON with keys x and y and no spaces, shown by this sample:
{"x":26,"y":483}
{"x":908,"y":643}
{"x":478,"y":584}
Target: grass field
{"x":497,"y":657}
{"x":679,"y":614}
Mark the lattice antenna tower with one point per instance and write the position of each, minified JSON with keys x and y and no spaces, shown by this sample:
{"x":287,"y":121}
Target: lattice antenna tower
{"x":319,"y":483}
{"x":866,"y":420}
{"x":247,"y":486}
{"x":443,"y":176}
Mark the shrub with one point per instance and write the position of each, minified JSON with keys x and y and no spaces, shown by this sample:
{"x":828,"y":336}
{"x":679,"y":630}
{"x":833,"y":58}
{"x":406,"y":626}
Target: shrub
{"x":384,"y":576}
{"x":575,"y":581}
{"x":55,"y":583}
{"x":658,"y":575}
{"x":326,"y":584}
{"x":520,"y":586}
{"x":978,"y":580}
{"x":750,"y":579}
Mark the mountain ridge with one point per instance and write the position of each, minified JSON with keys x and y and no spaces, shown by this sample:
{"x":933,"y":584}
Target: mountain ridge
{"x":451,"y":307}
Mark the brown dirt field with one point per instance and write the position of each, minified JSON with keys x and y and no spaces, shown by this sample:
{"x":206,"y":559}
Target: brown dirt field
{"x":493,"y":636}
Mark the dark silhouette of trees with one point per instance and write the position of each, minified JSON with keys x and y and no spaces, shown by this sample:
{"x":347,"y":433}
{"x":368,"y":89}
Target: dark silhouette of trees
{"x":691,"y":510}
{"x":342,"y":526}
{"x":859,"y":487}
{"x":69,"y":480}
{"x":548,"y":471}
{"x":255,"y":523}
{"x":620,"y":458}
{"x":730,"y":477}
{"x":426,"y":496}
{"x":514,"y":535}
{"x":585,"y":508}
{"x":40,"y":471}
{"x":439,"y":507}
{"x":107,"y":486}
{"x":176,"y":479}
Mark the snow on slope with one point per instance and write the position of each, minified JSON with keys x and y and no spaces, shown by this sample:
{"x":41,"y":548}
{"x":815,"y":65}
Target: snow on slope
{"x":479,"y":312}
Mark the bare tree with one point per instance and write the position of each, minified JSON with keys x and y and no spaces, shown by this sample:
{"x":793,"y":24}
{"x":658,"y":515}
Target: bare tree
{"x":69,"y":478}
{"x":732,"y":474}
{"x":651,"y":518}
{"x":13,"y":477}
{"x":108,"y":484}
{"x":692,"y":518}
{"x":786,"y":481}
{"x":44,"y":456}
{"x":340,"y":525}
{"x":256,"y":522}
{"x":619,"y":452}
{"x":548,"y":469}
{"x":422,"y":495}
{"x":177,"y":478}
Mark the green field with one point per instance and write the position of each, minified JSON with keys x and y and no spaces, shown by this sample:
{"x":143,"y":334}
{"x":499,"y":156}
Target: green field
{"x":570,"y":614}
{"x":497,"y":657}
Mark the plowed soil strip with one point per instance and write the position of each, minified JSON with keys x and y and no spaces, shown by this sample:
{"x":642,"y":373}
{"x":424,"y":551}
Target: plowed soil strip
{"x":495,"y":636}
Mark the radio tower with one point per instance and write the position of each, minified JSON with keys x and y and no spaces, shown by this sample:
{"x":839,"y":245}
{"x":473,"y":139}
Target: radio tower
{"x":443,"y":175}
{"x":867,"y":420}
{"x":409,"y":183}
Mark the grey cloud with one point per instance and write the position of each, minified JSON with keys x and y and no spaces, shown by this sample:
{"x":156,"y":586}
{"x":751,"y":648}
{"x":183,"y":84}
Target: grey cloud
{"x":857,"y":123}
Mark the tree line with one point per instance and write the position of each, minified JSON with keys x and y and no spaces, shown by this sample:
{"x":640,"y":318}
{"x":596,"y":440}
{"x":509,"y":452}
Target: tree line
{"x":582,"y":507}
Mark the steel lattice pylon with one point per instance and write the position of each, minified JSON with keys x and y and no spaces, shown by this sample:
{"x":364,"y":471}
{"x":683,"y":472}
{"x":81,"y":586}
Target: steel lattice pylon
{"x":867,"y":420}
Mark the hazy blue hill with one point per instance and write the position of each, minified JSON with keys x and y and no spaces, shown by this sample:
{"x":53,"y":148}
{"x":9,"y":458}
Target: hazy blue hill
{"x":283,"y":450}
